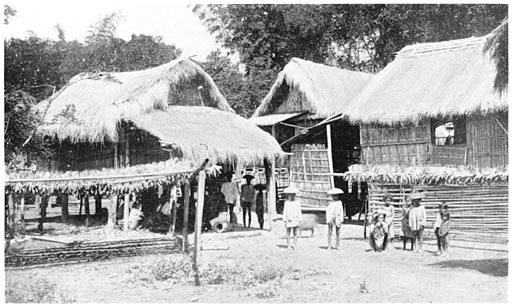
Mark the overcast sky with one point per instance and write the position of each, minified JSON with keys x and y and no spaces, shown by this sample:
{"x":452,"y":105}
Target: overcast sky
{"x":173,"y":21}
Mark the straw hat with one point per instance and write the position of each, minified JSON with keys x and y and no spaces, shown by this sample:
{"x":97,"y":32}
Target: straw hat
{"x":290,"y":190}
{"x":248,"y":177}
{"x":417,"y":195}
{"x":335,"y":191}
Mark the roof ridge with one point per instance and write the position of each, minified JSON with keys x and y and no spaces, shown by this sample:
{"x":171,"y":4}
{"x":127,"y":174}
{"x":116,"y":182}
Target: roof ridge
{"x":438,"y":47}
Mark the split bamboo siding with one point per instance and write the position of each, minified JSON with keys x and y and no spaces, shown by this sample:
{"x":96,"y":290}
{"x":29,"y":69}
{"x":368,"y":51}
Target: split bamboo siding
{"x":308,"y":167}
{"x":487,"y":141}
{"x":478,"y":212}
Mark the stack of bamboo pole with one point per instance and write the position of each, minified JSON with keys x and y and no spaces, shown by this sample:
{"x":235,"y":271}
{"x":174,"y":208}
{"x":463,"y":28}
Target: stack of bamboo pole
{"x":91,"y":251}
{"x":478,"y":212}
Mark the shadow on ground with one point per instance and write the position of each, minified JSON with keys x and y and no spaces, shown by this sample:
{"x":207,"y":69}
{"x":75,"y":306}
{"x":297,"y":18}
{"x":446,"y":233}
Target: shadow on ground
{"x":493,"y":267}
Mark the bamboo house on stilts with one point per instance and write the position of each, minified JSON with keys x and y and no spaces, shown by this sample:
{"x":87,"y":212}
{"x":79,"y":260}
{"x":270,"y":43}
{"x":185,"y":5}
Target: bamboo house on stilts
{"x":120,"y":135}
{"x":305,"y":94}
{"x":433,"y":121}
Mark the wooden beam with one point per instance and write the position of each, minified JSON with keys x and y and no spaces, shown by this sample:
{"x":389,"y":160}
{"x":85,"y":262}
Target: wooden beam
{"x":126,"y":148}
{"x":186,"y":203}
{"x":116,"y":159}
{"x":112,"y":214}
{"x":199,"y":215}
{"x":172,"y":203}
{"x":65,"y":208}
{"x":87,"y":209}
{"x":44,"y":203}
{"x":126,"y":212}
{"x":97,"y":205}
{"x":12,"y":226}
{"x":329,"y":153}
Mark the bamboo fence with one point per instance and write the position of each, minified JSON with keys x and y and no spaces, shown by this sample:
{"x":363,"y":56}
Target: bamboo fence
{"x":478,"y":212}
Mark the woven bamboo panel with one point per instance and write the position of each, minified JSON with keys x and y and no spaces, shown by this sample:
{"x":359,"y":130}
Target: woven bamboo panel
{"x":487,"y":141}
{"x":307,"y":168}
{"x":478,"y":212}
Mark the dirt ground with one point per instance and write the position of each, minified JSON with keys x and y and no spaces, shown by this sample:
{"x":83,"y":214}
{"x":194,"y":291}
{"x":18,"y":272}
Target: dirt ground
{"x":472,"y":272}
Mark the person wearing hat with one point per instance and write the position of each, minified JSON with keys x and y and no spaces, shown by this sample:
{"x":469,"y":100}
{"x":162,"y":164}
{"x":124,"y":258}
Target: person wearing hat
{"x":247,"y":195}
{"x":260,"y":206}
{"x":230,"y":191}
{"x":292,"y":215}
{"x":417,"y":220}
{"x":378,"y":231}
{"x":334,"y":215}
{"x":389,"y":209}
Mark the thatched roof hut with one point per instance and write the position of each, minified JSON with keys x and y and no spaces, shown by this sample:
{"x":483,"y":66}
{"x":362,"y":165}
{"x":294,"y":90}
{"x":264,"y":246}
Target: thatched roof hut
{"x":177,"y":102}
{"x":319,"y":89}
{"x":92,"y":105}
{"x":208,"y":132}
{"x":431,"y":80}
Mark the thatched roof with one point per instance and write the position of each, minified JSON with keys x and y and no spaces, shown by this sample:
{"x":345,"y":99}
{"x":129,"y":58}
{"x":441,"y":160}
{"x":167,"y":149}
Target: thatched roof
{"x":431,"y":80}
{"x":203,"y":132}
{"x":91,"y":106}
{"x":325,"y":90}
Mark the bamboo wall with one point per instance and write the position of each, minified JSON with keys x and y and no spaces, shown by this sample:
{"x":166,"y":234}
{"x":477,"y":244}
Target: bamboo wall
{"x":408,"y":145}
{"x":478,"y":212}
{"x":308,"y":167}
{"x":487,"y":140}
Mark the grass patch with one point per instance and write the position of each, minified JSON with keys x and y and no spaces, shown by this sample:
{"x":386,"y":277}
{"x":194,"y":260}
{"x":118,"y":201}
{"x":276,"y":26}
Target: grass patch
{"x":36,"y":291}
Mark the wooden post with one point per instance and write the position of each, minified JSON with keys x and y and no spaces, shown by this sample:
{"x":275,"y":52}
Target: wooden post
{"x":22,"y":209}
{"x":81,"y":200}
{"x":186,"y":203}
{"x":10,"y":203}
{"x":97,"y":205}
{"x":87,"y":209}
{"x":126,"y":148}
{"x":65,"y":208}
{"x":270,"y":170}
{"x":329,"y":154}
{"x":172,"y":203}
{"x":112,"y":214}
{"x":44,"y":204}
{"x":199,"y":214}
{"x":116,"y":160}
{"x":126,"y":212}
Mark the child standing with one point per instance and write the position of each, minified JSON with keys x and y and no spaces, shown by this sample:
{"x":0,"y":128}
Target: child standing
{"x":334,"y":215}
{"x":443,"y":225}
{"x":417,"y":220}
{"x":292,"y":215}
{"x":389,"y":209}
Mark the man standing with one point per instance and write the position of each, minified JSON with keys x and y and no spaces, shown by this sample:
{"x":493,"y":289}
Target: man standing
{"x":230,"y":191}
{"x":247,"y":198}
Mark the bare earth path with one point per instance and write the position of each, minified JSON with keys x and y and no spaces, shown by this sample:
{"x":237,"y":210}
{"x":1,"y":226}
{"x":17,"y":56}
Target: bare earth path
{"x":471,"y":273}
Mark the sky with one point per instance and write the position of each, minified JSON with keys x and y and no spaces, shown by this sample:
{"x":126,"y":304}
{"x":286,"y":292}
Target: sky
{"x":173,"y":21}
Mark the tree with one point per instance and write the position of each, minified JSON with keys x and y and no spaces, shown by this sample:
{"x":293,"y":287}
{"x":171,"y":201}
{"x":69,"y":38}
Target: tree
{"x":356,"y":36}
{"x":497,"y":46}
{"x":8,"y":13}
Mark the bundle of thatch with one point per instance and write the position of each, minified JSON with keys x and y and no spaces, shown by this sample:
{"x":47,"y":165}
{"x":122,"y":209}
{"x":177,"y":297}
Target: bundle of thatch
{"x":320,"y":89}
{"x":383,"y":173}
{"x":431,"y":80}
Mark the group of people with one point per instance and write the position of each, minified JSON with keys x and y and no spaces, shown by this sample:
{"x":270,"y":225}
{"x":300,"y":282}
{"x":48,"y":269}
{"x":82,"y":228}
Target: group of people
{"x":251,"y":199}
{"x":292,"y":216}
{"x":414,"y":222}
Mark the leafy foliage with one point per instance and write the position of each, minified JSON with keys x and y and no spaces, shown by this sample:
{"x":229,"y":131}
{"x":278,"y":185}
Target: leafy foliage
{"x":497,"y":45}
{"x":36,"y":291}
{"x":356,"y":36}
{"x":8,"y":13}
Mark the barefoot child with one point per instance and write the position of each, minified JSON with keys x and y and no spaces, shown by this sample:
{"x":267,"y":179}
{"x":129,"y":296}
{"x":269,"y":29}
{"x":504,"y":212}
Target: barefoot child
{"x":379,"y":232}
{"x":417,"y":220}
{"x":444,"y":229}
{"x":334,"y":215}
{"x":292,"y":216}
